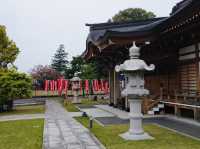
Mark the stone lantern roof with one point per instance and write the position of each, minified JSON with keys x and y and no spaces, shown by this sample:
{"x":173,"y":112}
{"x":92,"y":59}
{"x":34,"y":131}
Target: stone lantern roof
{"x":134,"y":63}
{"x":75,"y":78}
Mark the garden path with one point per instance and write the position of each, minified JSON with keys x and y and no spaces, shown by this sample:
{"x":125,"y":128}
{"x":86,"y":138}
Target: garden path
{"x":61,"y":131}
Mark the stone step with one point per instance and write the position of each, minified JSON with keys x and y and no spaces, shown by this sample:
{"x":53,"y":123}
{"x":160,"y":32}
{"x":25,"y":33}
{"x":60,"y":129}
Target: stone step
{"x":161,"y":106}
{"x":156,"y":109}
{"x":151,"y":112}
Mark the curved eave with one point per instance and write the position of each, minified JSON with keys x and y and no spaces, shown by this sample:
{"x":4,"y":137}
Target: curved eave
{"x":181,"y":17}
{"x":117,"y":38}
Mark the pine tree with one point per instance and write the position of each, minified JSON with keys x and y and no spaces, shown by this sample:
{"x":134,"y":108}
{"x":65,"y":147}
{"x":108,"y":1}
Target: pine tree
{"x":59,"y":62}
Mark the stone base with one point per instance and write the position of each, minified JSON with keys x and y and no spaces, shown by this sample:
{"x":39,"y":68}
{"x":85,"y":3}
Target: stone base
{"x":76,"y":101}
{"x":128,"y":136}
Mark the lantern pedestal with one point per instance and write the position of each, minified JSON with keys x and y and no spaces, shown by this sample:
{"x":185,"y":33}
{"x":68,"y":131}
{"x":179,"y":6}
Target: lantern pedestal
{"x":136,"y":137}
{"x":136,"y":131}
{"x":76,"y":100}
{"x":76,"y":88}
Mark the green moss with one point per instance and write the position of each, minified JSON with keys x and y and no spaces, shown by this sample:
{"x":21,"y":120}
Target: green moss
{"x":164,"y":139}
{"x":23,"y":134}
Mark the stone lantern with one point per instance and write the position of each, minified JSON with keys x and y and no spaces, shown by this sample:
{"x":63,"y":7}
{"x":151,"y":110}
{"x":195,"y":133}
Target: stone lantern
{"x":76,"y":88}
{"x":133,"y":70}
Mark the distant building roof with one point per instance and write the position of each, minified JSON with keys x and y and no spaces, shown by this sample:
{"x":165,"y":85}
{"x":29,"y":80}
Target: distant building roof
{"x":100,"y":32}
{"x":181,"y":5}
{"x":184,"y":13}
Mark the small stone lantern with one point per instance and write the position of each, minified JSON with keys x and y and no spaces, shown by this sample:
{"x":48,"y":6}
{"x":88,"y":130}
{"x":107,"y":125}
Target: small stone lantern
{"x":76,"y":88}
{"x":134,"y":72}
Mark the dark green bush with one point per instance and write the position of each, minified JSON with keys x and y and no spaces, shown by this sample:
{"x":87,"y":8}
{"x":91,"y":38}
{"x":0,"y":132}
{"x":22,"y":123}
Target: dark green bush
{"x":13,"y":85}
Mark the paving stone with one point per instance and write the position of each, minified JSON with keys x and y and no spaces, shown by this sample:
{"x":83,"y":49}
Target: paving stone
{"x":92,"y":147}
{"x":96,"y":112}
{"x":74,"y":146}
{"x":63,"y":132}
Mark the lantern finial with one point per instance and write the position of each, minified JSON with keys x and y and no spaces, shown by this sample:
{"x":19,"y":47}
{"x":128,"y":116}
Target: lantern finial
{"x":134,"y":51}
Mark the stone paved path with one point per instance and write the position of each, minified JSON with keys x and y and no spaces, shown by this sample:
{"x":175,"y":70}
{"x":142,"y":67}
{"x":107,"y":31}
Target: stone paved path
{"x":96,"y":112}
{"x":63,"y":132}
{"x":120,"y":113}
{"x":20,"y":117}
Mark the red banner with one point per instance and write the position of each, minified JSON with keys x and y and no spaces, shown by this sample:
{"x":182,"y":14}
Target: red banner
{"x":106,"y":88}
{"x":66,"y":86}
{"x":61,"y":85}
{"x":87,"y":86}
{"x":46,"y":85}
{"x":80,"y":85}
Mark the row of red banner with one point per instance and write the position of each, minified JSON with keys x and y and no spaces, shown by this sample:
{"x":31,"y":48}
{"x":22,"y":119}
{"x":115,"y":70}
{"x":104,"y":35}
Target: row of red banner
{"x":62,"y":85}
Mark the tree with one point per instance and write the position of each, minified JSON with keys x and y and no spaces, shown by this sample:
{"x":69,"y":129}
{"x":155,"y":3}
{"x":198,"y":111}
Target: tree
{"x":8,"y":49}
{"x":13,"y":85}
{"x":88,"y":71}
{"x":75,"y":66}
{"x":100,"y":69}
{"x":41,"y":73}
{"x":78,"y":64}
{"x":59,"y":62}
{"x":132,"y":14}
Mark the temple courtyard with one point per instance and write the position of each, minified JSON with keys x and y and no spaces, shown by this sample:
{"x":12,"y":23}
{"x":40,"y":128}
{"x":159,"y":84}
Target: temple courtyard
{"x":52,"y":127}
{"x":127,"y":77}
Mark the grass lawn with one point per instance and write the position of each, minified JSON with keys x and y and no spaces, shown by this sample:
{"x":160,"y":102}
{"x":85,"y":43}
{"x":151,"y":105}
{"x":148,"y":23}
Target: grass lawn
{"x":23,"y":134}
{"x":35,"y":109}
{"x":70,"y":107}
{"x":49,"y":93}
{"x":92,"y":102}
{"x":43,"y":93}
{"x":164,"y":139}
{"x":85,"y":102}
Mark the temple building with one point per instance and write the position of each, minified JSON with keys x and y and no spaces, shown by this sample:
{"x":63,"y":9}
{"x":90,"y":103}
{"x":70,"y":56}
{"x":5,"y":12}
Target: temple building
{"x":171,"y":43}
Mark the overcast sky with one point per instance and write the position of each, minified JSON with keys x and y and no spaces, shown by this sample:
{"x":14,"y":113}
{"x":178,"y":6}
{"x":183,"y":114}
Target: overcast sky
{"x":39,"y":26}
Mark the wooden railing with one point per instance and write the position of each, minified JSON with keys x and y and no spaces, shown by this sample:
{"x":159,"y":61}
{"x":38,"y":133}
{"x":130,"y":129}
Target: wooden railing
{"x":150,"y":102}
{"x":181,"y":96}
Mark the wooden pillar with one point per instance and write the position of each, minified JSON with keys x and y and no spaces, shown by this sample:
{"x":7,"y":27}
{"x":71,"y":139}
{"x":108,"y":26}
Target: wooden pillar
{"x":116,"y":87}
{"x":197,"y":48}
{"x":111,"y":83}
{"x":161,"y":93}
{"x":177,"y":110}
{"x":197,"y":114}
{"x":126,"y":103}
{"x":109,"y":80}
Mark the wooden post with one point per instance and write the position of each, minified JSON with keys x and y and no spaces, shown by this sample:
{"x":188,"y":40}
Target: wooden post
{"x":196,"y":114}
{"x":161,"y":93}
{"x":115,"y":100}
{"x":116,"y":88}
{"x":109,"y":80}
{"x":177,"y":110}
{"x":197,"y":65}
{"x":111,"y":84}
{"x":126,"y":102}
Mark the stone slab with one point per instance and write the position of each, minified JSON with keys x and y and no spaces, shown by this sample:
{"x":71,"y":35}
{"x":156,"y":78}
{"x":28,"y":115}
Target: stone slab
{"x":63,"y":132}
{"x":96,"y":112}
{"x":128,"y":136}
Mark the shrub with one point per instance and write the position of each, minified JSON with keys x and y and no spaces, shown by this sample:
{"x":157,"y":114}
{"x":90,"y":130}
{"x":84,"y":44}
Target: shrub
{"x":13,"y":85}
